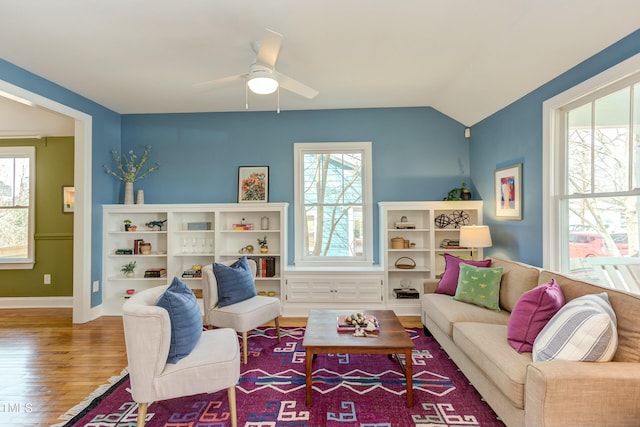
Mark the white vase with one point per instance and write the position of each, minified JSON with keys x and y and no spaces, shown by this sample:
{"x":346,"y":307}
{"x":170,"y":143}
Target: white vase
{"x":140,"y":198}
{"x":128,"y":193}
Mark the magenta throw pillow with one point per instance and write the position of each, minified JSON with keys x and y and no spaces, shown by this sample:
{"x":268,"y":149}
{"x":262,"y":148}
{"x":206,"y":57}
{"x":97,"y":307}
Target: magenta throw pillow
{"x":532,"y":312}
{"x":449,"y":281}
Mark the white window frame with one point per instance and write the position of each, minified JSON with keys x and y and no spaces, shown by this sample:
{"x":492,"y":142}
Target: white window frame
{"x":367,"y":194}
{"x":554,"y":159}
{"x":7,"y":263}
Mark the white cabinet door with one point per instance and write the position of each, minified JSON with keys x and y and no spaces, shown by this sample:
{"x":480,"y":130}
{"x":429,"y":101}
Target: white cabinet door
{"x":309,"y":290}
{"x":358,"y":289}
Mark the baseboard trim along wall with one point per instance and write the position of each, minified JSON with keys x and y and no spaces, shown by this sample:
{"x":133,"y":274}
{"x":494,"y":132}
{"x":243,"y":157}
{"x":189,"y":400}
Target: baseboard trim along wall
{"x":36,"y":302}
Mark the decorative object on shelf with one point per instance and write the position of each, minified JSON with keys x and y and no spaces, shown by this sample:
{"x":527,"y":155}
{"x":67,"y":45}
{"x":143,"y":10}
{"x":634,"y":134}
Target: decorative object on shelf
{"x":406,"y":293}
{"x":155,"y":272}
{"x":264,"y":248}
{"x":404,"y":224}
{"x":152,"y":224}
{"x":131,"y":291}
{"x":397,"y":243}
{"x":68,"y":198}
{"x":442,"y":221}
{"x":459,"y":218}
{"x":475,"y":236}
{"x":242,"y":226}
{"x":140,"y":197}
{"x":129,"y":170}
{"x":129,"y":269}
{"x":199,"y":226}
{"x":145,"y":248}
{"x":253,"y":184}
{"x":264,"y":223}
{"x":194,"y":272}
{"x":405,"y":283}
{"x":127,"y":224}
{"x":246,"y":250}
{"x":508,"y":192}
{"x":405,"y":263}
{"x":458,"y":193}
{"x":124,"y":251}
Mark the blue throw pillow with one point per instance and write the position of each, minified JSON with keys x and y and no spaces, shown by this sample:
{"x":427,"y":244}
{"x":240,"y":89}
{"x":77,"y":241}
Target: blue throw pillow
{"x":235,"y":282}
{"x":185,"y":316}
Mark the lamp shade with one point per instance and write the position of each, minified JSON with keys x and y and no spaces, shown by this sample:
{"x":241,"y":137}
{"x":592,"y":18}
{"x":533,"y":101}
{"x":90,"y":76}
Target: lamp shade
{"x":475,"y":236}
{"x":263,"y":83}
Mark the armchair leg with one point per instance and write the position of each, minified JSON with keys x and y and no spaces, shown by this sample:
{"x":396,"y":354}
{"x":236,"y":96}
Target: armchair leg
{"x":244,"y":346}
{"x":142,"y":413}
{"x":277,"y":321}
{"x":231,"y":393}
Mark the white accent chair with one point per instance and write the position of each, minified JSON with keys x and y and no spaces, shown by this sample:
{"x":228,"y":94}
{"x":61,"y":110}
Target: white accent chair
{"x":213,"y":365}
{"x":242,"y":316}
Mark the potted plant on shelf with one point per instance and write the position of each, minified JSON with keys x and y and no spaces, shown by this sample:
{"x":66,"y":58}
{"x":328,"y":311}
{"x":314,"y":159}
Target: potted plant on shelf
{"x":263,"y":245}
{"x":129,"y":269}
{"x":459,"y":193}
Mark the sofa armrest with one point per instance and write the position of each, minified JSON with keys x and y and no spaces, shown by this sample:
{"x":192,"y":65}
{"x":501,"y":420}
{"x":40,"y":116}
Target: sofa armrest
{"x":561,"y":393}
{"x":430,"y":285}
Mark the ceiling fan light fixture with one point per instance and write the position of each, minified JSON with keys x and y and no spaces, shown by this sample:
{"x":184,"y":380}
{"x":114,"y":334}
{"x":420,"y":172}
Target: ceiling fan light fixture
{"x":262,"y":82}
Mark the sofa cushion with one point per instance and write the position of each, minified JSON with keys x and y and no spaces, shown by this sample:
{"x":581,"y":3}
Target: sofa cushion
{"x":235,"y":282}
{"x":185,"y":317}
{"x":624,"y":304}
{"x":517,"y":278}
{"x":449,"y":281}
{"x":444,"y":311}
{"x":532,"y":312}
{"x":479,"y":286}
{"x":486,"y":345}
{"x":583,"y":330}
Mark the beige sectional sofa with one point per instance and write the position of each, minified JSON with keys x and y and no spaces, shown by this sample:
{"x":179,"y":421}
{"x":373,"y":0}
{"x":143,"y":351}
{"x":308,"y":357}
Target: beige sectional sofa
{"x":550,"y":393}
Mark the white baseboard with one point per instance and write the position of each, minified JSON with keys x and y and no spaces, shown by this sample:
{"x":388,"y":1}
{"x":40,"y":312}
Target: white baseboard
{"x":36,"y":302}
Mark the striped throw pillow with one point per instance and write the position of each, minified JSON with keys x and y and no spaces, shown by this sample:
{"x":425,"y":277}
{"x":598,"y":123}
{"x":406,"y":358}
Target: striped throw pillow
{"x":585,"y":329}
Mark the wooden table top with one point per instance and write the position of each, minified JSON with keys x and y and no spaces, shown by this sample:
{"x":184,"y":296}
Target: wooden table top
{"x":321,"y":331}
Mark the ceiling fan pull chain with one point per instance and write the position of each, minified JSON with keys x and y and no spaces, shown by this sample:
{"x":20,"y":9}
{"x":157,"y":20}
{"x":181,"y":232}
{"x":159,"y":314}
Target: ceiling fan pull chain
{"x":278,"y":109}
{"x":246,"y":96}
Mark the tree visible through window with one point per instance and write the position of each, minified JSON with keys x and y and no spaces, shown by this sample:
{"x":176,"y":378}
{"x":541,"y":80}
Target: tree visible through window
{"x":17,"y":165}
{"x":333,"y":203}
{"x":600,"y":200}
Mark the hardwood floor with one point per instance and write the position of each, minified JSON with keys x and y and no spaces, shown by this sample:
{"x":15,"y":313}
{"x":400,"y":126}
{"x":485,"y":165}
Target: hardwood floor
{"x":48,"y":364}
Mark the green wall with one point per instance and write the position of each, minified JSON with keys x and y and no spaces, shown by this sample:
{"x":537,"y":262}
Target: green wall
{"x":54,"y":229}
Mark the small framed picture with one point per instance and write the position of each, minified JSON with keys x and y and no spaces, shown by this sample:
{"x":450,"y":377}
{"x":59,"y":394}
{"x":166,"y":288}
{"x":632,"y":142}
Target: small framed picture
{"x":508,"y":182}
{"x":253,"y":184}
{"x":68,"y":199}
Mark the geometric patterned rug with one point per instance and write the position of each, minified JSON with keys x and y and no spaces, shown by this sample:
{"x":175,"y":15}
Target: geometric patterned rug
{"x":349,"y":390}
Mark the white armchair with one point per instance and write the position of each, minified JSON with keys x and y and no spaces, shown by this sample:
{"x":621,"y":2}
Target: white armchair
{"x":242,"y":316}
{"x":213,"y":365}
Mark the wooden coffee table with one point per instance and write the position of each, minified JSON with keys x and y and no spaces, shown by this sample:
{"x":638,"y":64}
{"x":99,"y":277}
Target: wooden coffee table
{"x":322,"y":337}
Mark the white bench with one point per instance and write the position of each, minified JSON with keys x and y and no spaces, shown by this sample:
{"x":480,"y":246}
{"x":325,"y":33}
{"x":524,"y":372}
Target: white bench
{"x":617,"y":272}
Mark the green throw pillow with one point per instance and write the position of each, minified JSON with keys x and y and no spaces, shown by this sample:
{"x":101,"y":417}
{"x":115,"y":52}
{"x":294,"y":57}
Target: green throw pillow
{"x":479,"y":286}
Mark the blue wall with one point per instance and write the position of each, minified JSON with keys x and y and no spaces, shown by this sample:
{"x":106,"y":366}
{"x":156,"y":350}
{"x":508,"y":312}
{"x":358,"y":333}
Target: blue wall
{"x":418,"y":153}
{"x":106,"y":136}
{"x":514,"y":135}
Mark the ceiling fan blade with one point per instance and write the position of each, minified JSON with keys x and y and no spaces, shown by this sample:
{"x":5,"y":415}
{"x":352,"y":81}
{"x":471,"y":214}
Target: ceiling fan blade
{"x":269,"y":48}
{"x":218,"y":83}
{"x":296,"y":87}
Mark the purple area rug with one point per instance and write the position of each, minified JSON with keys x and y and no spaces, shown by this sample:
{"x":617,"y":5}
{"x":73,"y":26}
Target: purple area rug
{"x":348,"y":391}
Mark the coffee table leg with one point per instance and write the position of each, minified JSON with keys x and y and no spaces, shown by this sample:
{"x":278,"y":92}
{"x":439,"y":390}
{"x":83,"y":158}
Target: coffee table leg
{"x":309,"y":365}
{"x":409,"y":377}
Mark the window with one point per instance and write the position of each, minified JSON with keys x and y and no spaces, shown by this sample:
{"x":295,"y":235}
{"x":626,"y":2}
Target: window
{"x":333,"y":204}
{"x":595,"y":147}
{"x":17,"y":196}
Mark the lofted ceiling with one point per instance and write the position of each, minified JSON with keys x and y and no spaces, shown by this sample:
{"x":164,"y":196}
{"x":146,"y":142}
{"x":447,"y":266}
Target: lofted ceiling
{"x":465,"y":58}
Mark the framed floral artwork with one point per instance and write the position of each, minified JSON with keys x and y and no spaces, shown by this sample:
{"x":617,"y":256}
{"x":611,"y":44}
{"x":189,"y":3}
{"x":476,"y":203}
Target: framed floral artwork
{"x":253,"y":184}
{"x":508,"y":182}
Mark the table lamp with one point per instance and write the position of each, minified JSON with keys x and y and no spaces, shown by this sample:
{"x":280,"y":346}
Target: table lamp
{"x":475,"y":236}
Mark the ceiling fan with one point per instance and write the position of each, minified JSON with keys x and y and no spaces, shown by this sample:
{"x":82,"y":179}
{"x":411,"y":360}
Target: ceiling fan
{"x":262,"y":77}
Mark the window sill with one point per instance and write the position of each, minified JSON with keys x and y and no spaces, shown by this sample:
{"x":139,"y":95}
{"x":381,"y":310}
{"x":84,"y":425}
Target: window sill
{"x":17,"y":265}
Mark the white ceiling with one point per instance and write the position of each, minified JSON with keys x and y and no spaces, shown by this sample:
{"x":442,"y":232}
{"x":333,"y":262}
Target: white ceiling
{"x":465,"y":58}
